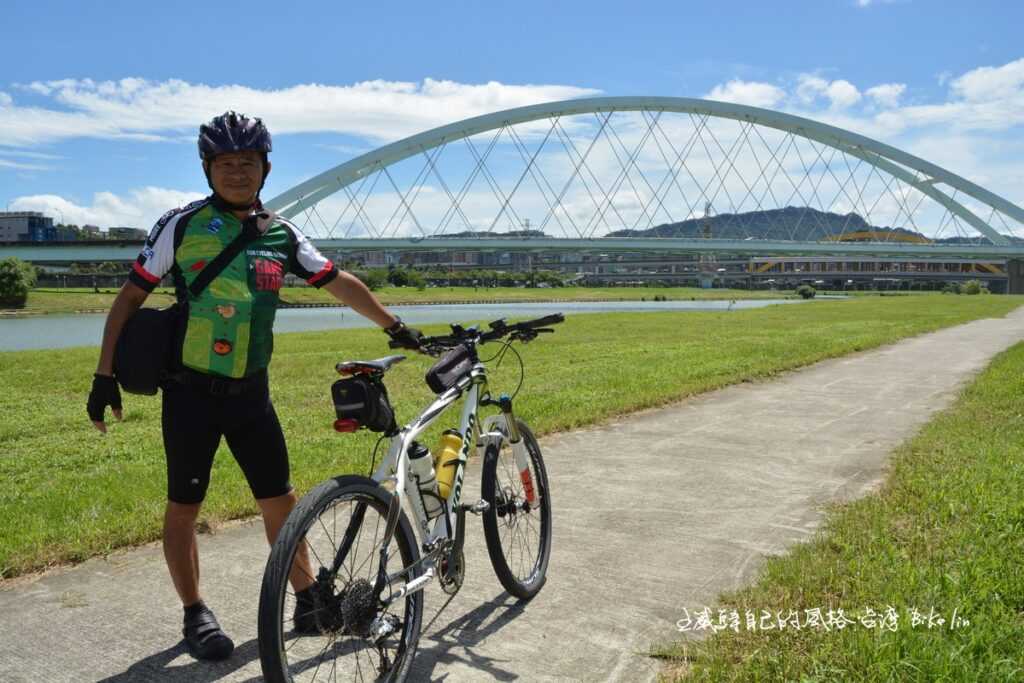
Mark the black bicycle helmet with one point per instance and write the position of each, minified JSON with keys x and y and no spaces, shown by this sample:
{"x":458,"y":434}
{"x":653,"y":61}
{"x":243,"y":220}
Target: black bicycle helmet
{"x":233,"y":132}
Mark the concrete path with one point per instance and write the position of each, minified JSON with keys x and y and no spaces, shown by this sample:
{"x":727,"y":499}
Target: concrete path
{"x":653,"y":513}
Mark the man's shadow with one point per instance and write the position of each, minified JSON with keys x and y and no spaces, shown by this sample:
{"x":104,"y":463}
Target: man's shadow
{"x":155,"y":666}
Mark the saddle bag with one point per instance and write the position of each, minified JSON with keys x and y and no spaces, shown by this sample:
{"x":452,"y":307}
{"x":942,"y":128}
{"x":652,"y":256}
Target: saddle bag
{"x":365,"y":402}
{"x":449,"y":369}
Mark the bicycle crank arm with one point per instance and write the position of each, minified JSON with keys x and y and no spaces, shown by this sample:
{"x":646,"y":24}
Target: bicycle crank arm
{"x":413,"y":586}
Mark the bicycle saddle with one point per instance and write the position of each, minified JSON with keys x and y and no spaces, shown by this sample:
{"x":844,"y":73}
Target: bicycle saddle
{"x":354,"y":367}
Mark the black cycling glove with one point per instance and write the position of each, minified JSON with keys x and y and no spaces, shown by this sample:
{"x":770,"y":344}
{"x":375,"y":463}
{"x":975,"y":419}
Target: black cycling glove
{"x":406,"y":337}
{"x":104,"y":393}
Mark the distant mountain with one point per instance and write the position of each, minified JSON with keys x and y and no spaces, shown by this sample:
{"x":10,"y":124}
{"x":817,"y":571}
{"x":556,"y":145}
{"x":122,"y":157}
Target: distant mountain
{"x":790,"y":223}
{"x":795,"y":223}
{"x":975,"y":240}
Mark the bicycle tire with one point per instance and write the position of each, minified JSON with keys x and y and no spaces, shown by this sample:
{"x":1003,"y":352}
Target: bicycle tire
{"x":282,"y":661}
{"x":507,"y":526}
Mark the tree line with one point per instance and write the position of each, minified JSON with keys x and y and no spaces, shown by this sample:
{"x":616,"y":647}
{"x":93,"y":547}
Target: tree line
{"x":398,"y":276}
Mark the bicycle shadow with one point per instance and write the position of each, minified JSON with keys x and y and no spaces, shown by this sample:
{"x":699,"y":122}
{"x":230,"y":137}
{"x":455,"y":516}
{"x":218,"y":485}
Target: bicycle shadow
{"x":455,"y":641}
{"x":156,"y":666}
{"x":452,"y":643}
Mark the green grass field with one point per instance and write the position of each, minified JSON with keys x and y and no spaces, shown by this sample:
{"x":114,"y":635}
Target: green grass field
{"x":69,"y":300}
{"x":946,"y":533}
{"x":72,"y":493}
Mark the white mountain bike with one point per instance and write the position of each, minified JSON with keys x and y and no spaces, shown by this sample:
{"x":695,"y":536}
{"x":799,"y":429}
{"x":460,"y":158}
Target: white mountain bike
{"x":351,"y":537}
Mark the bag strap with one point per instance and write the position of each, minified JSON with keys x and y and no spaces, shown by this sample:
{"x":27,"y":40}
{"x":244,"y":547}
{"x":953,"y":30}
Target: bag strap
{"x":250,"y":233}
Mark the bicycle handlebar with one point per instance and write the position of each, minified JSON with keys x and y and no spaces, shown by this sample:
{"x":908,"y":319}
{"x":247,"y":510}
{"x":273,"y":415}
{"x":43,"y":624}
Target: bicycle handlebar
{"x":525,"y":330}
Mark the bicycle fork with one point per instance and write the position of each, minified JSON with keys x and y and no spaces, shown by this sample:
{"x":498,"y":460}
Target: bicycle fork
{"x":519,"y":452}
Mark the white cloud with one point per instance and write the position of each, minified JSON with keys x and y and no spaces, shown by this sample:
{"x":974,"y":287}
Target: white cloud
{"x":840,"y":93}
{"x":6,"y":163}
{"x":989,"y":83}
{"x":810,"y":87}
{"x":378,"y":110}
{"x":887,"y":94}
{"x":748,"y":92}
{"x":5,"y":99}
{"x":987,"y":99}
{"x":29,"y":155}
{"x":140,"y":209}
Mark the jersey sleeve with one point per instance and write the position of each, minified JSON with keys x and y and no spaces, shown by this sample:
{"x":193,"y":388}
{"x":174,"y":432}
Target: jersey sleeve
{"x":307,"y":262}
{"x":157,"y":255}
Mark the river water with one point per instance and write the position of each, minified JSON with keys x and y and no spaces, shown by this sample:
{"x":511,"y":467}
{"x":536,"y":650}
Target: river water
{"x":62,"y":331}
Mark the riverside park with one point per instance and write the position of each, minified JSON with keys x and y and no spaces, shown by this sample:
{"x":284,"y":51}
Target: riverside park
{"x":563,"y":342}
{"x":882,"y":462}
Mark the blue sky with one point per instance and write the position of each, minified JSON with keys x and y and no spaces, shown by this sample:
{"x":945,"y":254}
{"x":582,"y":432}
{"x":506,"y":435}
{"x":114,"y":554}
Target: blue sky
{"x":99,"y":101}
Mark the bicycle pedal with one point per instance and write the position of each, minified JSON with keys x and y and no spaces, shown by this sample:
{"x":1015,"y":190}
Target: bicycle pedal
{"x":477,"y":508}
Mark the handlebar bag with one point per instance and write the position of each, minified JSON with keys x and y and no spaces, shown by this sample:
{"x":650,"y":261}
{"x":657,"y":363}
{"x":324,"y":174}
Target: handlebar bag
{"x":145,"y":350}
{"x":365,"y":401}
{"x":449,"y":369}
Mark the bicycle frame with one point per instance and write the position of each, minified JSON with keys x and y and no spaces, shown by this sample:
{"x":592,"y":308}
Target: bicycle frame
{"x":395,"y":463}
{"x":394,"y":467}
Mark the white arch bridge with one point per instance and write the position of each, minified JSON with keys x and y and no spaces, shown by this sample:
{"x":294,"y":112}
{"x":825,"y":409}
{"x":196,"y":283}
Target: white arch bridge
{"x":642,"y":174}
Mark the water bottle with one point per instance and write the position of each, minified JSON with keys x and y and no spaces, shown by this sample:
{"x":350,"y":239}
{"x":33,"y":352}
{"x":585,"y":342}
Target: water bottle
{"x":447,"y":461}
{"x":421,"y":467}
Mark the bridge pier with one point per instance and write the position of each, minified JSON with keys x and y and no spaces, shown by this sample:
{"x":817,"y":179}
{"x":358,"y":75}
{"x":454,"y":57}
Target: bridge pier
{"x":1015,"y":276}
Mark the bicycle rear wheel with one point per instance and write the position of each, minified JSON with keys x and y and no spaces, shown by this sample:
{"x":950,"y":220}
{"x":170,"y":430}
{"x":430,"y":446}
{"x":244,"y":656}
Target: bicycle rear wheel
{"x":354,"y":637}
{"x":517,"y":524}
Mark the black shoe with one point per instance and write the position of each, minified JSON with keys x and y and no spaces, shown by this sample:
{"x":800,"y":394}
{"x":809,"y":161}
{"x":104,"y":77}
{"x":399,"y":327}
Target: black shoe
{"x":304,"y":620}
{"x":205,"y":638}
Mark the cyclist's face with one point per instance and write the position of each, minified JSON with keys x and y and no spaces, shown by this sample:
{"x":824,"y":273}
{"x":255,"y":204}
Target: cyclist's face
{"x":237,"y":176}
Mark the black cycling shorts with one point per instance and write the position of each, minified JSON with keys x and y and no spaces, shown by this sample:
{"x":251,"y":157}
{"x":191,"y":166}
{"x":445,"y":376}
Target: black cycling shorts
{"x":193,"y":423}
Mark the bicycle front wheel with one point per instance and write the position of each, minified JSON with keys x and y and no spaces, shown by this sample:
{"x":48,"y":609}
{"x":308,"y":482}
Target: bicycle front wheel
{"x":333,"y":538}
{"x":517,"y":524}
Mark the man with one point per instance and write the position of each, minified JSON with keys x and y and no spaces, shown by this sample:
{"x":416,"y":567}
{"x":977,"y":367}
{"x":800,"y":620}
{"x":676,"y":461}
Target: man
{"x":221,"y":389}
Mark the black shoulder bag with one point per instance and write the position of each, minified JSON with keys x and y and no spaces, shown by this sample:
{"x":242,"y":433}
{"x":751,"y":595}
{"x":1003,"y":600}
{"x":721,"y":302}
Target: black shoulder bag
{"x":147,"y":350}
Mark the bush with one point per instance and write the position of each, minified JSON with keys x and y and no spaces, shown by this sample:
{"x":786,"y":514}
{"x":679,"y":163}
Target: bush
{"x":399,"y":277}
{"x":16,"y":279}
{"x":973,"y":287}
{"x":373,"y":279}
{"x":415,"y":279}
{"x":806,"y":291}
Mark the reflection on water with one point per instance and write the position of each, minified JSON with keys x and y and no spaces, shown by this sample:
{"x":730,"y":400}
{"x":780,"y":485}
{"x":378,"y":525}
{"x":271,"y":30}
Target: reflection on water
{"x":62,"y":331}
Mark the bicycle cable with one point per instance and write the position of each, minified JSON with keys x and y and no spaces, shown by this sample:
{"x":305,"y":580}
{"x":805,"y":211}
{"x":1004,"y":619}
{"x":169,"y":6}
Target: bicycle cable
{"x":373,"y":458}
{"x":506,"y":346}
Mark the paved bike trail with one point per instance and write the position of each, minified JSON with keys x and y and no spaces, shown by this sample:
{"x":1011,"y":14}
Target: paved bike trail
{"x":653,"y":513}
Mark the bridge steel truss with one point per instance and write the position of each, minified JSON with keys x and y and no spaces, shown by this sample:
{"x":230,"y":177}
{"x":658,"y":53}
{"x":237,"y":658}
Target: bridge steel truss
{"x":944,"y":187}
{"x":931,"y":180}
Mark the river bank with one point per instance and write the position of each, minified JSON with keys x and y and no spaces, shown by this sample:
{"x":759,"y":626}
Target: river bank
{"x":66,"y":301}
{"x":74,"y":494}
{"x":57,"y":330}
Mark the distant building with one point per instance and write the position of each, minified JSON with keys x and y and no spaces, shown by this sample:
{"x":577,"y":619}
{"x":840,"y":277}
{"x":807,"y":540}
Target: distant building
{"x":17,"y":226}
{"x":126,"y":234}
{"x":93,"y":230}
{"x":66,"y":233}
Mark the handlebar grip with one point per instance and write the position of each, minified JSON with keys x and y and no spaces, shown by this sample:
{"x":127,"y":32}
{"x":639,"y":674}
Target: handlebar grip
{"x":546,"y":320}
